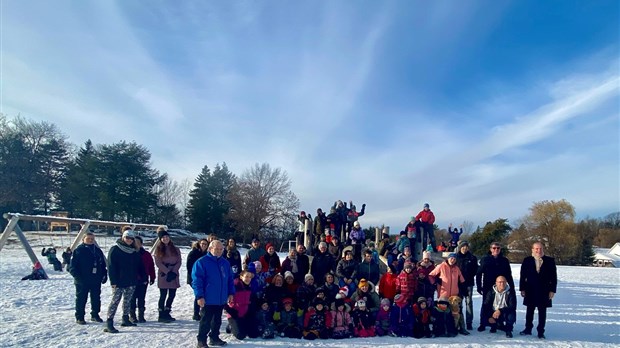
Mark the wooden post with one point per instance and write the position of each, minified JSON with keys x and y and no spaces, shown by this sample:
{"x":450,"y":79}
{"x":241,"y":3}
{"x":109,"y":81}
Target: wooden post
{"x":377,"y":237}
{"x":308,"y":235}
{"x":8,"y":229}
{"x":79,"y":236}
{"x":27,"y":247}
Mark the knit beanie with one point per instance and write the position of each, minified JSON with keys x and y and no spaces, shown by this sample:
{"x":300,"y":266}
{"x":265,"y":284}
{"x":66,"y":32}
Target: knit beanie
{"x":362,"y":282}
{"x":426,"y":255}
{"x":385,"y":302}
{"x":400,"y":299}
{"x":308,"y":276}
{"x":161,"y":233}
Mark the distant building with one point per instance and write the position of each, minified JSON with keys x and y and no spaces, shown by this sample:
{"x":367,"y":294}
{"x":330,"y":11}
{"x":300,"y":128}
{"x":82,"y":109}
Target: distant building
{"x":607,"y":257}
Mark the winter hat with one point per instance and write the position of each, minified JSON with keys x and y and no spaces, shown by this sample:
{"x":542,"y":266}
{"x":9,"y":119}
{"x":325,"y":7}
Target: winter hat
{"x":443,"y":300}
{"x":426,"y":255}
{"x":262,"y":302}
{"x":302,"y":213}
{"x":356,"y":224}
{"x":421,"y":299}
{"x":339,"y":302}
{"x":317,"y":301}
{"x":258,"y":265}
{"x":360,"y":303}
{"x":400,"y":299}
{"x":371,"y":244}
{"x":287,"y":300}
{"x":268,"y":245}
{"x":385,"y":302}
{"x":408,"y":264}
{"x":343,"y":292}
{"x":362,"y":282}
{"x":288,"y":274}
{"x":385,"y":236}
{"x":452,"y":255}
{"x":320,"y":290}
{"x":463,"y":243}
{"x":37,"y":265}
{"x":393,"y":268}
{"x":426,"y":205}
{"x":160,"y":234}
{"x":403,"y":233}
{"x":252,"y":268}
{"x":129,"y":234}
{"x":308,"y":276}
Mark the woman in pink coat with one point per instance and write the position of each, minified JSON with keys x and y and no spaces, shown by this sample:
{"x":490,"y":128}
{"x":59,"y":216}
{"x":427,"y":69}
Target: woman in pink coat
{"x":168,"y":262}
{"x":450,"y":275}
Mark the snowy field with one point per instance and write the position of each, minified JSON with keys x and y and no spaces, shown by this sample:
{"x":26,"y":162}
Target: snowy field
{"x":586,"y":313}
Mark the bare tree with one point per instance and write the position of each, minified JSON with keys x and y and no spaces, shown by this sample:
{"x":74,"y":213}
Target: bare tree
{"x":183,"y":198}
{"x":468,"y":227}
{"x":262,"y":202}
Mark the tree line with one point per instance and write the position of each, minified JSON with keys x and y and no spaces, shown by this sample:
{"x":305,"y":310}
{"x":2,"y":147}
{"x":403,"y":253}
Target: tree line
{"x":41,"y":171}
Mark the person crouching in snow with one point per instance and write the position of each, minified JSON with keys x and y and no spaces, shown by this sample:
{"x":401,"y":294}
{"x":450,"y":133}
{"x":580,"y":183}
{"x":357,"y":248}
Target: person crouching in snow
{"x":342,"y":324}
{"x":382,"y":323}
{"x":401,"y":318}
{"x":422,"y":325}
{"x":317,"y":320}
{"x":363,"y":320}
{"x":443,"y":322}
{"x":287,"y":320}
{"x":239,"y":311}
{"x":264,"y":320}
{"x":500,"y":307}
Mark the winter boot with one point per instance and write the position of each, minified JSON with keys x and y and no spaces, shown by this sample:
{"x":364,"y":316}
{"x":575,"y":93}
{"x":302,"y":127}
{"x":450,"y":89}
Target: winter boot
{"x":80,"y":321}
{"x":132,"y":316}
{"x":141,"y":316}
{"x":168,"y":316}
{"x":126,"y":321}
{"x":96,"y":318}
{"x":109,"y":326}
{"x":163,"y":318}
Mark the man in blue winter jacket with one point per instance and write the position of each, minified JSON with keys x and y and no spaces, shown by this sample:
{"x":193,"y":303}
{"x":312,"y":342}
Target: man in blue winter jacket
{"x":213,"y":287}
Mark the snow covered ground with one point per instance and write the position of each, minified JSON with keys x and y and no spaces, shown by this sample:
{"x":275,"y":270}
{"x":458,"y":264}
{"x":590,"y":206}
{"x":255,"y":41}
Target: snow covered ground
{"x":586,"y":313}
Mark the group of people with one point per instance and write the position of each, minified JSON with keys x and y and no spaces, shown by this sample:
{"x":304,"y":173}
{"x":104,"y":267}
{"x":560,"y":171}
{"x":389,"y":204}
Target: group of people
{"x":130,"y":270}
{"x":336,"y":295}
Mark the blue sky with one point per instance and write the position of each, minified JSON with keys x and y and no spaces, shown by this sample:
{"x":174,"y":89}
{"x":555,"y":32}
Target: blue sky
{"x":478,"y":107}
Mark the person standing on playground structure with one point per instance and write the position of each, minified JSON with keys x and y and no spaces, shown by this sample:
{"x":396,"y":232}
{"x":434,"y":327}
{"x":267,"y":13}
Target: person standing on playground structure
{"x":425,"y":219}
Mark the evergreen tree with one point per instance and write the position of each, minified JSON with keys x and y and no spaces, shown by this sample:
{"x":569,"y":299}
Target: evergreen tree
{"x":209,"y":202}
{"x":495,"y":231}
{"x":80,"y":193}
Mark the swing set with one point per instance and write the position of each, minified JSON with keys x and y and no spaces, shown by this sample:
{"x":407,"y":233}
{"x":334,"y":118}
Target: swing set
{"x":14,"y":218}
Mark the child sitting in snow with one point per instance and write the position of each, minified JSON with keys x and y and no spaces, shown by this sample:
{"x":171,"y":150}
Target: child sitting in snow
{"x":50,"y":253}
{"x":443,"y":322}
{"x":37,"y":273}
{"x":317,"y":320}
{"x":382,"y":323}
{"x":363,"y":320}
{"x":266,"y":328}
{"x":342,"y":324}
{"x":287,"y":320}
{"x":422,"y":325}
{"x":401,"y":318}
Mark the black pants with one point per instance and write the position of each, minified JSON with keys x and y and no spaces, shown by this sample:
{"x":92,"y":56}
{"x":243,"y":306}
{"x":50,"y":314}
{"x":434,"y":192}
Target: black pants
{"x":81,"y":296}
{"x":240,"y":327}
{"x":137,"y":300}
{"x":210,"y":322}
{"x":170,"y":293}
{"x":542,"y":318}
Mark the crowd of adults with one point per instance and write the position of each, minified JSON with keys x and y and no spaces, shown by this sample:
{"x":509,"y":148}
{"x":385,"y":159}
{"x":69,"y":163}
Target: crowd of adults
{"x":337,"y":292}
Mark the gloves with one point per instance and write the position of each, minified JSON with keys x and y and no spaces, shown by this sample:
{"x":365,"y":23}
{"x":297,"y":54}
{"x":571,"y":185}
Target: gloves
{"x":364,"y":206}
{"x":104,"y":279}
{"x":479,"y":291}
{"x":171,"y":276}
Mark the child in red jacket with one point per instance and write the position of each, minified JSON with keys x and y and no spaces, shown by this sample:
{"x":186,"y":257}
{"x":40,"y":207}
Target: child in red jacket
{"x":422,"y":324}
{"x":387,"y":284}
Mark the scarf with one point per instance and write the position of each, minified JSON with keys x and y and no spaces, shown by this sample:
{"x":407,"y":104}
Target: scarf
{"x":124,"y":247}
{"x":501,"y":298}
{"x":538,"y":261}
{"x":294,"y":268}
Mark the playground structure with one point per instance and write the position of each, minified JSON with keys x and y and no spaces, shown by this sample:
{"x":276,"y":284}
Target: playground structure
{"x":85,"y":224}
